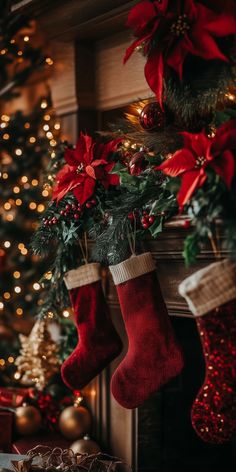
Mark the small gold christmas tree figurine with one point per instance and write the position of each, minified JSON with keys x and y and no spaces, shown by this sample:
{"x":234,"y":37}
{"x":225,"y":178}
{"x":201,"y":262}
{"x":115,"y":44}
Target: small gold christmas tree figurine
{"x":38,"y":360}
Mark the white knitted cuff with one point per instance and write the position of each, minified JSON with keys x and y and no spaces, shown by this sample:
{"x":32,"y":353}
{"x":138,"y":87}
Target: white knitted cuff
{"x":132,"y":268}
{"x":84,"y":275}
{"x":210,"y":287}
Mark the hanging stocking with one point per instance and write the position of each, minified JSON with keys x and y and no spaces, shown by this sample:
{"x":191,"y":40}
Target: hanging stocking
{"x":153,"y":356}
{"x":211,"y":295}
{"x":98,"y":341}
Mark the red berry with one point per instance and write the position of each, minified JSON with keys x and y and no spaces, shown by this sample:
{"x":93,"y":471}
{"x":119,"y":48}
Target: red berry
{"x":151,"y":219}
{"x":131,"y":216}
{"x":62,"y":212}
{"x":145,"y":225}
{"x":74,"y":206}
{"x":68,"y":207}
{"x":186,"y":224}
{"x":144,"y":220}
{"x":76,"y":216}
{"x":94,"y":201}
{"x":46,"y":222}
{"x":145,"y":213}
{"x":88,"y":205}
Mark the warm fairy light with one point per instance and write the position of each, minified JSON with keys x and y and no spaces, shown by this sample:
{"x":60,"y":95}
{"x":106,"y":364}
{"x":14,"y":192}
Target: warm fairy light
{"x":1,"y":305}
{"x":32,"y":205}
{"x":47,"y":117}
{"x":26,"y":39}
{"x":5,"y":118}
{"x":34,"y":182}
{"x":6,"y":295}
{"x":53,"y":142}
{"x":57,"y":126}
{"x":21,"y":246}
{"x":32,"y":139}
{"x":46,"y":127}
{"x":53,"y":154}
{"x":5,"y":175}
{"x":12,"y":41}
{"x":7,"y":206}
{"x":49,"y":61}
{"x":44,"y":104}
{"x":16,"y":274}
{"x":93,"y":393}
{"x":48,"y":275}
{"x":10,"y":359}
{"x":27,"y":125}
{"x":19,"y":311}
{"x":40,"y":208}
{"x":49,"y":135}
{"x":17,"y":289}
{"x":24,"y":179}
{"x":50,"y":314}
{"x":126,"y":144}
{"x":45,"y":193}
{"x":9,"y":217}
{"x":17,"y":375}
{"x":3,"y":125}
{"x":66,"y":313}
{"x":16,"y":189}
{"x":2,"y":362}
{"x":7,"y":244}
{"x":27,"y":186}
{"x":20,"y":53}
{"x":36,"y":286}
{"x":3,"y":51}
{"x":18,"y":202}
{"x":230,"y":96}
{"x":18,"y":152}
{"x":6,"y":136}
{"x":24,"y":252}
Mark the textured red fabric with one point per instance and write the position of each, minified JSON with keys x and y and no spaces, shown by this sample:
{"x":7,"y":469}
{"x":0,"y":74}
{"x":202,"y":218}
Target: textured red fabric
{"x":153,"y":356}
{"x":214,"y":409}
{"x":98,"y":341}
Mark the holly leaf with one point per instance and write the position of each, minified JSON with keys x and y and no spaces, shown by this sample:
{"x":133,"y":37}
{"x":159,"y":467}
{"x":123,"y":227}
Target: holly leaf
{"x":156,"y":227}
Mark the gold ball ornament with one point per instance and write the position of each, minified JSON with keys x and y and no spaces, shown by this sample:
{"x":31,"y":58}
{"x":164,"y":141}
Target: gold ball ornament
{"x":75,"y":422}
{"x":85,"y":445}
{"x":28,"y":420}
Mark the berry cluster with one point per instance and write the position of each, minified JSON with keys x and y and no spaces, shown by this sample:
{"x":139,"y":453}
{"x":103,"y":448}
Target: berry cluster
{"x":71,"y":211}
{"x":146,"y":219}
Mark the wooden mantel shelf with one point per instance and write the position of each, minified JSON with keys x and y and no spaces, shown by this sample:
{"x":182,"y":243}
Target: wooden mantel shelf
{"x":84,"y":19}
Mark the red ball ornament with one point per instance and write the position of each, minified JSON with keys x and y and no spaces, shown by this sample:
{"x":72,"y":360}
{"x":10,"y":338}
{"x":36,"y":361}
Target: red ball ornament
{"x":152,"y":118}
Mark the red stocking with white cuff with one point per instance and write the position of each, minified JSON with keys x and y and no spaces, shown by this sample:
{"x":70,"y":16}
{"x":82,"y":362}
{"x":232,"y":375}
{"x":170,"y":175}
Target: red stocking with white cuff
{"x":153,"y":356}
{"x":211,"y":296}
{"x":98,"y":341}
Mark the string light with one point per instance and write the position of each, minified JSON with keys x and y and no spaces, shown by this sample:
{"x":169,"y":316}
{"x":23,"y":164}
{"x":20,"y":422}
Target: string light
{"x":18,"y":202}
{"x":11,"y":359}
{"x":44,"y":104}
{"x":24,"y":179}
{"x":45,"y":193}
{"x":53,"y":154}
{"x":53,"y":142}
{"x":24,"y":252}
{"x":49,"y":135}
{"x":16,"y":189}
{"x":19,"y":311}
{"x":18,"y":152}
{"x":50,"y":314}
{"x":36,"y":286}
{"x":40,"y":208}
{"x":7,"y":206}
{"x":3,"y":125}
{"x":20,"y":53}
{"x":21,"y":246}
{"x":32,"y":205}
{"x":2,"y":362}
{"x":6,"y":295}
{"x":5,"y":118}
{"x":34,"y":182}
{"x":32,"y":139}
{"x":46,"y":127}
{"x":17,"y":289}
{"x":7,"y":244}
{"x":27,"y":125}
{"x":26,"y":38}
{"x":16,"y":274}
{"x":49,"y":61}
{"x":66,"y":313}
{"x":1,"y":305}
{"x":5,"y":175}
{"x":6,"y":136}
{"x":17,"y":376}
{"x":57,"y":126}
{"x":9,"y":217}
{"x":3,"y":51}
{"x":48,"y":275}
{"x":47,"y":117}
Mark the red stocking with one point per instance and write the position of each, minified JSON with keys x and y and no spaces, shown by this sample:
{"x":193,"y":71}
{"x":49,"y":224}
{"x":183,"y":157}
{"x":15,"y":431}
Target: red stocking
{"x":153,"y":356}
{"x":211,"y":295}
{"x":98,"y":341}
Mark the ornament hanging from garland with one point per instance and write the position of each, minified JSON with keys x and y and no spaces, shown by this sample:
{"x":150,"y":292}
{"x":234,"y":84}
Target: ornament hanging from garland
{"x":152,"y":117}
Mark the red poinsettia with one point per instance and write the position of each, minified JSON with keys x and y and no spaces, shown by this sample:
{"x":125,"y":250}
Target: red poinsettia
{"x":86,"y":164}
{"x":198,"y":153}
{"x":170,"y":30}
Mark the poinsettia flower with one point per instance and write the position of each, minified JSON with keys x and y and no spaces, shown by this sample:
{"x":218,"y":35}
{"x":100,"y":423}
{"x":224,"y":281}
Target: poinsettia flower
{"x":86,"y":164}
{"x":198,"y":153}
{"x":170,"y":30}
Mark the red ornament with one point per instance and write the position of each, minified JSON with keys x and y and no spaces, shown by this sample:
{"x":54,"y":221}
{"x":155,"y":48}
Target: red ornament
{"x":198,"y":153}
{"x":152,"y":118}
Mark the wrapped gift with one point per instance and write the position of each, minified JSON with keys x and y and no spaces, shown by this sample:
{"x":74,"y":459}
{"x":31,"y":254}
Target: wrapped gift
{"x":12,"y":397}
{"x":6,"y":422}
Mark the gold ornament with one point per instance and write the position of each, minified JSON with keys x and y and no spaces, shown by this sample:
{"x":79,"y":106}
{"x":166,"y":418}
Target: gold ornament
{"x":38,"y":360}
{"x":28,"y":420}
{"x":85,"y":445}
{"x":75,"y":422}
